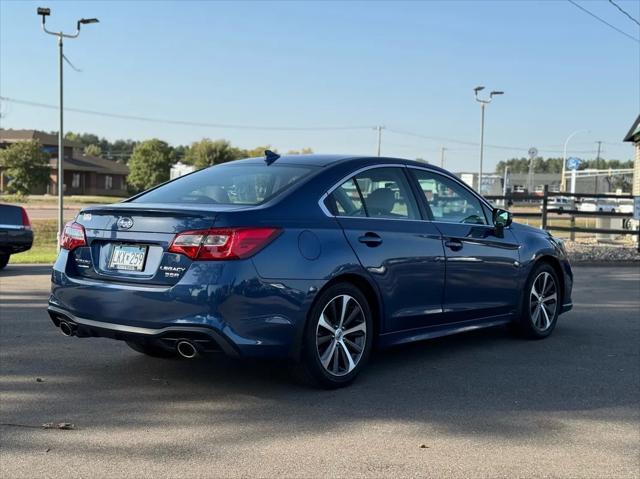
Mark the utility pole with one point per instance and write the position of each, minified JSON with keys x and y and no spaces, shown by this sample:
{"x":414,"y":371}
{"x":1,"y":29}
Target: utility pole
{"x":597,"y":164}
{"x":379,"y":129}
{"x":483,"y":104}
{"x":504,"y":184}
{"x":442,"y":150}
{"x":44,"y":13}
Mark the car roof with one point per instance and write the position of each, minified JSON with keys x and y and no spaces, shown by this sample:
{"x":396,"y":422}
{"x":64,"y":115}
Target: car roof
{"x":326,"y":160}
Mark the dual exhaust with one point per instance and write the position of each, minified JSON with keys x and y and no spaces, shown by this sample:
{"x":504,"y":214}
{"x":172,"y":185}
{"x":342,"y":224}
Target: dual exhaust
{"x":185,"y":349}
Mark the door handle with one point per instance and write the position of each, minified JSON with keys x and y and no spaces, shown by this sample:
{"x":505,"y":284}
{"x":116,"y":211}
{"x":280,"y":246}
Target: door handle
{"x":370,"y":239}
{"x":453,"y":244}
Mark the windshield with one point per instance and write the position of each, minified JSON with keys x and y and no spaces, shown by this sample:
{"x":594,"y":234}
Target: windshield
{"x":228,"y":184}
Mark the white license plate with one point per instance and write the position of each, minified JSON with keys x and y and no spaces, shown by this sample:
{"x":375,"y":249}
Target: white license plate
{"x":128,"y":257}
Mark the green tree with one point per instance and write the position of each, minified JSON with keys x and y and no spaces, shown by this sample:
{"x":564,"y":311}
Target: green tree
{"x":150,"y":164}
{"x":207,"y":152}
{"x":92,"y":150}
{"x":26,"y":166}
{"x":304,"y":151}
{"x":256,"y":152}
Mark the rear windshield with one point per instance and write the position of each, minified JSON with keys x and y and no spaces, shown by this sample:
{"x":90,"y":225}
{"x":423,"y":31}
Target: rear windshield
{"x":10,"y":215}
{"x":228,"y":184}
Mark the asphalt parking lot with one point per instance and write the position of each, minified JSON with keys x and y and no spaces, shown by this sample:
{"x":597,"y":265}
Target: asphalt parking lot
{"x":482,"y":404}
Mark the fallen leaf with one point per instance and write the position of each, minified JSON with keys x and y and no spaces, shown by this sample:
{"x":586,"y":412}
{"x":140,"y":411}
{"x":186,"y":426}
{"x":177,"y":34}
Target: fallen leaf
{"x":424,"y":446}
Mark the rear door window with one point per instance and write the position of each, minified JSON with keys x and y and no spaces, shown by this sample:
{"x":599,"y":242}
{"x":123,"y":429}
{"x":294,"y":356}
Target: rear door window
{"x":376,"y":193}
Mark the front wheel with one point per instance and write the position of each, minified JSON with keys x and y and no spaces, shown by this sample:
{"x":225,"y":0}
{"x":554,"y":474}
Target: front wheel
{"x":338,"y":337}
{"x":541,"y":303}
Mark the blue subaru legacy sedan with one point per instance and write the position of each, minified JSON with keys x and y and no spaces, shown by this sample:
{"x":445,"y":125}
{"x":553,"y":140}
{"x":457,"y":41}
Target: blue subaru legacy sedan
{"x":318,"y":259}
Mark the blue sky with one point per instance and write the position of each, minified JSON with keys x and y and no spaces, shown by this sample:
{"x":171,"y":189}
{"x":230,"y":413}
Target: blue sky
{"x":409,"y":66}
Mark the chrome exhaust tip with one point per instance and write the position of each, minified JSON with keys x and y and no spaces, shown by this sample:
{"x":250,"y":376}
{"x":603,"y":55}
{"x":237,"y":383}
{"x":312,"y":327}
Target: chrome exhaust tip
{"x":186,"y":349}
{"x":66,"y":328}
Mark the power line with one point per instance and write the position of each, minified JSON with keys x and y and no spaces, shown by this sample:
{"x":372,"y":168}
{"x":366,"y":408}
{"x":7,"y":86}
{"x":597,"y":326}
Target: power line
{"x":185,"y":123}
{"x":624,"y":12}
{"x":603,"y":21}
{"x":471,"y":143}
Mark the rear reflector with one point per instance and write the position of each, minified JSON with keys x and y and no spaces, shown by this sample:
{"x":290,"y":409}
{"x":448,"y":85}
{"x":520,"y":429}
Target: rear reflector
{"x":73,"y":236}
{"x":223,"y":243}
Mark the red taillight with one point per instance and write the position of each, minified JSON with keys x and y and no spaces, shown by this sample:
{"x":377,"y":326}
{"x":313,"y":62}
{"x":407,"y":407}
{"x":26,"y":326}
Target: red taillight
{"x":223,"y":243}
{"x":73,"y":236}
{"x":26,"y":224}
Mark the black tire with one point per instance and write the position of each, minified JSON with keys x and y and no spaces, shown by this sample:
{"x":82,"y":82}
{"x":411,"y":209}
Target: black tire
{"x":151,"y":349}
{"x":4,"y":260}
{"x":538,"y":313}
{"x":338,"y":372}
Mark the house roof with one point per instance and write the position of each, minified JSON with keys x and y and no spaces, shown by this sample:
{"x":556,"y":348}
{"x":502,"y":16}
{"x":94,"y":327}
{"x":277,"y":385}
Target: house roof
{"x":91,"y":163}
{"x":634,"y":132}
{"x":45,"y":139}
{"x":75,"y":163}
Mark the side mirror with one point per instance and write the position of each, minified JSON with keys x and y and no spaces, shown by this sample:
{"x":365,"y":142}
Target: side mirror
{"x":502,"y":218}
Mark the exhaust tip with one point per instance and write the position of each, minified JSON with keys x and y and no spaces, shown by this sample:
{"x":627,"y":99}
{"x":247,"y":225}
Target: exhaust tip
{"x":66,"y":328}
{"x":186,"y":350}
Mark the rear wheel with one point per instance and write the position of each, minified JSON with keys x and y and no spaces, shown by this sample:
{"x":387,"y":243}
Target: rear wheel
{"x":541,"y":303}
{"x":151,"y":349}
{"x":4,"y":260}
{"x":338,"y":337}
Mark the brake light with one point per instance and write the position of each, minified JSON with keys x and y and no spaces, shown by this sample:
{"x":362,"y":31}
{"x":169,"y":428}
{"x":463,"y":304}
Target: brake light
{"x":223,"y":243}
{"x":26,"y":224}
{"x":73,"y":236}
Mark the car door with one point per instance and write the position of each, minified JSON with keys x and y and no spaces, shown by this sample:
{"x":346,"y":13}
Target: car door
{"x":482,"y":263}
{"x":403,"y":254}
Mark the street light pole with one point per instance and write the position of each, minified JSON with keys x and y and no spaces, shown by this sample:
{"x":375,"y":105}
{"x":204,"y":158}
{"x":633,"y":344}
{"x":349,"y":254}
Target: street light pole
{"x":44,"y":13}
{"x":483,"y":103}
{"x":563,"y":181}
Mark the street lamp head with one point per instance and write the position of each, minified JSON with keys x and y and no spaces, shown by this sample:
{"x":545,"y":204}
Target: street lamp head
{"x":45,"y":12}
{"x":477,"y":89}
{"x":494,"y":93}
{"x":86,"y":21}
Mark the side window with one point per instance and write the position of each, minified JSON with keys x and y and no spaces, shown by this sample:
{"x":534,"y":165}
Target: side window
{"x":345,"y":200}
{"x":387,"y":194}
{"x":449,"y":201}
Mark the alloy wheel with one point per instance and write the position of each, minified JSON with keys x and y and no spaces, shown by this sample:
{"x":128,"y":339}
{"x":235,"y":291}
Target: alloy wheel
{"x":543,"y":301}
{"x":341,"y":335}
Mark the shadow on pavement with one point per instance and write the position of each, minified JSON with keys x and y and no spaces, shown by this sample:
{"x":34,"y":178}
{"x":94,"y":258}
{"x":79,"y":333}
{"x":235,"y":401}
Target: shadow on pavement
{"x":481,"y":383}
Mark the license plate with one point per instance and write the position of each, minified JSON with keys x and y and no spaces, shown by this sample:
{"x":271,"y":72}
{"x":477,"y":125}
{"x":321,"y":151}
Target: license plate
{"x":128,"y":257}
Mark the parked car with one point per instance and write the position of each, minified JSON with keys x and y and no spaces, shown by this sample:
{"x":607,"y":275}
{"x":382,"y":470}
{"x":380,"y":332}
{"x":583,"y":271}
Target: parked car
{"x":560,"y":203}
{"x":304,"y":263}
{"x":625,"y":206}
{"x":607,"y":205}
{"x":15,"y":232}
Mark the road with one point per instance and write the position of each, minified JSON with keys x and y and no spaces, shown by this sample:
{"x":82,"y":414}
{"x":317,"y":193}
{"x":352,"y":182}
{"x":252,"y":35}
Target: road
{"x":482,"y":404}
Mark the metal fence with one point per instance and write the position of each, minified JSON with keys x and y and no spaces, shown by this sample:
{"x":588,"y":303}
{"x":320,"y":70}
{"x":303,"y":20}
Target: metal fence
{"x":570,"y":214}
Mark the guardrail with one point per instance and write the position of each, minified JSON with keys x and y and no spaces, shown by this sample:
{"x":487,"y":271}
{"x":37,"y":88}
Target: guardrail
{"x":571,"y":214}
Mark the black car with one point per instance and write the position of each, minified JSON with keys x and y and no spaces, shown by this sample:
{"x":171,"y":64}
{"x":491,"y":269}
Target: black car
{"x":15,"y":232}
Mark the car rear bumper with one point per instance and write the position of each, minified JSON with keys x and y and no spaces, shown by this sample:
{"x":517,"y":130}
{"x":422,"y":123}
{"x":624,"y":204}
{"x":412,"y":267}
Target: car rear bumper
{"x":226,"y":308}
{"x":14,"y":241}
{"x":206,"y":339}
